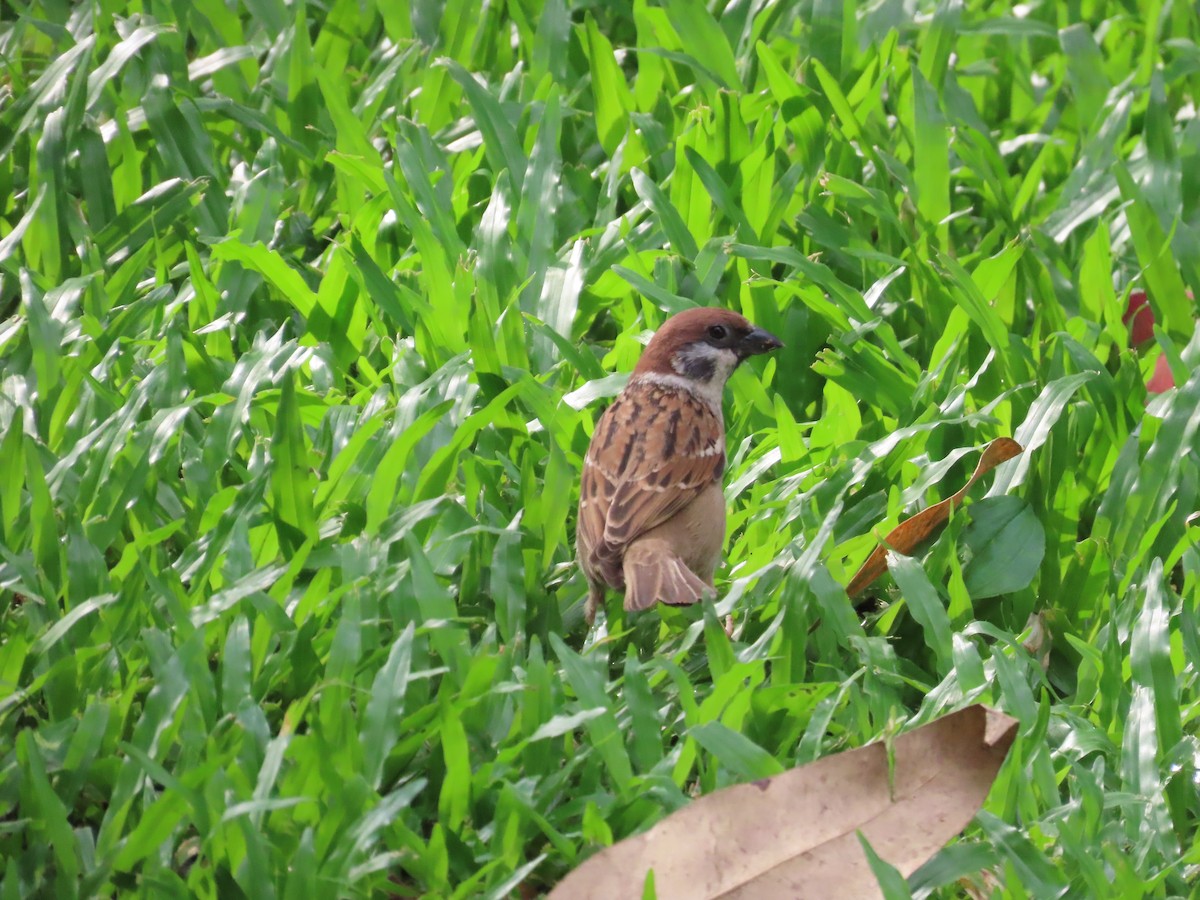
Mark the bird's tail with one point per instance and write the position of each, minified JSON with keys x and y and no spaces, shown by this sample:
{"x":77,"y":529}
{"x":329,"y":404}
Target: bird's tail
{"x":653,"y":573}
{"x":595,"y":600}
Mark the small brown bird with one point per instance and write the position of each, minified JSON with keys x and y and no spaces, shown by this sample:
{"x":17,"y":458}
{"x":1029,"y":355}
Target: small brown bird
{"x":651,"y":508}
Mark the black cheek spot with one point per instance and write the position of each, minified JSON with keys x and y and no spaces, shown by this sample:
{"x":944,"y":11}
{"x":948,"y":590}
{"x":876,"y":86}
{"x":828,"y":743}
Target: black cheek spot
{"x":700,"y":368}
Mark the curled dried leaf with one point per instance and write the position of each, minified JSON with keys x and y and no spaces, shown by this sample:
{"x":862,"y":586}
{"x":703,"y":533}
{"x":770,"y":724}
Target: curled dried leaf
{"x":796,"y":834}
{"x":910,"y":533}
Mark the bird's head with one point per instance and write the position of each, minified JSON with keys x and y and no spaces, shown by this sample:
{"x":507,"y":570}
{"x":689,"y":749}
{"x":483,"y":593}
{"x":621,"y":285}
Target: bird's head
{"x":703,"y":346}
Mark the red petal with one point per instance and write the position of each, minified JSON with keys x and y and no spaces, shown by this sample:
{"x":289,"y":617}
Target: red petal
{"x":1139,"y":318}
{"x":1161,"y":380}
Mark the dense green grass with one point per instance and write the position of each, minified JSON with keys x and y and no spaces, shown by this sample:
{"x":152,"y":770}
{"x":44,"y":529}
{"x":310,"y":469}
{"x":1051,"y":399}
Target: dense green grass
{"x":308,"y":310}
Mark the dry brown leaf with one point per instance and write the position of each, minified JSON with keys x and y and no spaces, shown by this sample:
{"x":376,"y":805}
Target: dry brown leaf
{"x":909,"y":534}
{"x":796,"y":835}
{"x":1038,"y":642}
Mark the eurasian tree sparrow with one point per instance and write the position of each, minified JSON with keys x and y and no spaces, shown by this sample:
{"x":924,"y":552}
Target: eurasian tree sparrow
{"x":651,"y":507}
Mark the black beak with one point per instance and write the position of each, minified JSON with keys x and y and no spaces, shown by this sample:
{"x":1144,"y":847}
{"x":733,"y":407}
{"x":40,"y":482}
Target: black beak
{"x":758,"y":341}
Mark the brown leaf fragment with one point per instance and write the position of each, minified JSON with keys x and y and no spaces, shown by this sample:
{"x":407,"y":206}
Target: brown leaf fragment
{"x":910,"y":533}
{"x":795,"y":835}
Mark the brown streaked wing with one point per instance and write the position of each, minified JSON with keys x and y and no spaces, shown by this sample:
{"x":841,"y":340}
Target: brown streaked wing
{"x":665,"y":446}
{"x":595,"y":495}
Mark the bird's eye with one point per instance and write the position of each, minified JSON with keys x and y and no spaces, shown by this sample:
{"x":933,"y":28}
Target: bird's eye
{"x":717,"y":332}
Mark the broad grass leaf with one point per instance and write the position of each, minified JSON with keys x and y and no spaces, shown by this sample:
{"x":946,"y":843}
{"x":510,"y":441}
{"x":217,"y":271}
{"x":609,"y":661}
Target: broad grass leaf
{"x":1153,"y":670}
{"x":50,"y":87}
{"x":935,"y":55}
{"x":507,"y":584}
{"x":891,"y":883}
{"x":48,"y":241}
{"x":500,"y":140}
{"x":953,"y":863}
{"x":185,"y":151}
{"x":383,"y":492}
{"x":292,"y":484}
{"x":445,"y":320}
{"x":351,"y":136}
{"x":833,"y":39}
{"x":610,"y":94}
{"x":236,"y":666}
{"x":425,"y":165}
{"x":670,"y":221}
{"x":47,"y":641}
{"x":506,"y":888}
{"x":402,"y":308}
{"x":721,"y":195}
{"x":967,"y":294}
{"x":438,"y":472}
{"x":268,"y":263}
{"x":1085,"y":72}
{"x":158,"y":208}
{"x":1091,"y":188}
{"x":170,"y":686}
{"x":847,"y":120}
{"x":1044,"y":413}
{"x":798,"y":831}
{"x":1162,"y":187}
{"x":455,"y":799}
{"x":1005,"y":544}
{"x":645,"y":745}
{"x":924,"y":604}
{"x":586,"y":364}
{"x":47,"y":548}
{"x":700,"y":33}
{"x":123,"y":51}
{"x":39,"y":798}
{"x":588,"y":683}
{"x":669,"y":301}
{"x":156,"y":825}
{"x":344,"y":472}
{"x":1031,"y":867}
{"x":382,"y":717}
{"x":565,"y":724}
{"x":735,"y":751}
{"x":931,"y":149}
{"x":12,"y":457}
{"x":1163,"y":281}
{"x":535,"y":225}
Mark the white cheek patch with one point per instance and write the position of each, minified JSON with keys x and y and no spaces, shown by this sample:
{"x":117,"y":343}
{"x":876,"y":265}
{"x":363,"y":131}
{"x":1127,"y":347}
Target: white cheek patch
{"x":727,"y":361}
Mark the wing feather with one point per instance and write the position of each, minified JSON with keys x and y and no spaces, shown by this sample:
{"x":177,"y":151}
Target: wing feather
{"x":653,"y":452}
